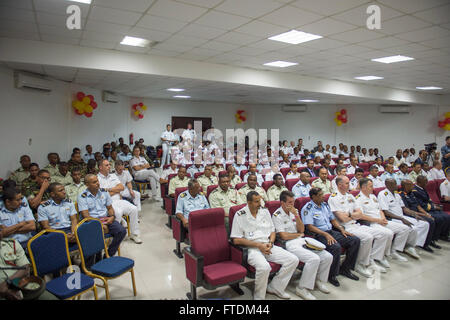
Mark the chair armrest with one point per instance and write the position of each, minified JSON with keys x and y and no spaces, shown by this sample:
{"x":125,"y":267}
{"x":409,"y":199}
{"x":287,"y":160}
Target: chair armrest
{"x":170,"y":205}
{"x":239,"y":254}
{"x":194,"y":267}
{"x":178,"y":229}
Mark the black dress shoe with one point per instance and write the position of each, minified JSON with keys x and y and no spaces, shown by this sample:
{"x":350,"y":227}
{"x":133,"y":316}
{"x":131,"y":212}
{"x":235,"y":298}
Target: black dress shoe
{"x":349,"y":274}
{"x":428,"y":249}
{"x":334,"y":281}
{"x":434,"y":245}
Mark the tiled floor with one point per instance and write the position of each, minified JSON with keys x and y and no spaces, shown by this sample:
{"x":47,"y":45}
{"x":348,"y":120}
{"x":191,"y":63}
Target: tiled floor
{"x":161,"y":275}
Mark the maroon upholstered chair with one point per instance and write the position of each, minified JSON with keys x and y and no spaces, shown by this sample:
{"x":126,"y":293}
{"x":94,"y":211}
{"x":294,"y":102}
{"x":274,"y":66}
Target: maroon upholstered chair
{"x":354,"y":192}
{"x":446,"y":205}
{"x":272,"y":206}
{"x":364,"y":166}
{"x":290,"y":183}
{"x":210,"y":189}
{"x":284,"y":171}
{"x":169,"y":201}
{"x":300,"y":202}
{"x":179,"y":232}
{"x":240,"y":185}
{"x":198,"y":174}
{"x":350,"y":176}
{"x":243,"y":172}
{"x":376,"y":191}
{"x":266,"y":185}
{"x":211,"y":261}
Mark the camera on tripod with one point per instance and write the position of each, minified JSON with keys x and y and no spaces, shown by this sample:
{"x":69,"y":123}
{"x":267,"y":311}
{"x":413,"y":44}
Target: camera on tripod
{"x":430,"y":147}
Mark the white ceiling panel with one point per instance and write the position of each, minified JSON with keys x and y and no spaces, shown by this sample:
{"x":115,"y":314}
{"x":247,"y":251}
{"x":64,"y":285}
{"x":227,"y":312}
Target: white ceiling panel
{"x":128,"y":18}
{"x":402,"y":24}
{"x":326,"y":27}
{"x":130,"y":5}
{"x":248,"y":8}
{"x":261,"y":29}
{"x":358,"y":35}
{"x":222,"y":20}
{"x":59,"y":7}
{"x":358,"y":16}
{"x":238,"y":38}
{"x":436,"y":15}
{"x":410,"y":6}
{"x":291,"y":17}
{"x":176,"y":10}
{"x":20,"y":4}
{"x":201,"y":31}
{"x":327,"y":7}
{"x":161,"y":24}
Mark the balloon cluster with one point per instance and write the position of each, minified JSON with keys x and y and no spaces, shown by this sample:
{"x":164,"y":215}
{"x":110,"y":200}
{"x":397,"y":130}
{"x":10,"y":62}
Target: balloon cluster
{"x":341,"y":117}
{"x":138,"y":110}
{"x":240,"y":116}
{"x":84,"y":104}
{"x":446,"y":123}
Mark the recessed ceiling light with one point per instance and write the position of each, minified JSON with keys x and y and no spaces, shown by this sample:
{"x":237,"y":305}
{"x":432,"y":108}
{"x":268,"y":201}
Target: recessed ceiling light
{"x":307,"y":100}
{"x":280,"y":64}
{"x":81,"y":1}
{"x":429,"y":88}
{"x":295,"y":37}
{"x":392,"y":59}
{"x":175,"y":89}
{"x":136,"y":42}
{"x":368,"y":78}
{"x":182,"y":97}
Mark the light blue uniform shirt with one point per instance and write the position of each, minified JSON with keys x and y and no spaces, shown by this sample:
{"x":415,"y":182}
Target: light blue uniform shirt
{"x":8,"y":219}
{"x":57,"y":215}
{"x":300,"y":190}
{"x":96,"y":205}
{"x":124,"y":157}
{"x":239,"y":168}
{"x":193,"y":170}
{"x":187,"y":203}
{"x":320,"y":217}
{"x":88,"y":157}
{"x":387,"y":175}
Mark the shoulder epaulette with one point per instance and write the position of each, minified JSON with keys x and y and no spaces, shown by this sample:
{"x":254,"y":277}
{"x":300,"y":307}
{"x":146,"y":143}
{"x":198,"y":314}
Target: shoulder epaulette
{"x":276,"y":213}
{"x":413,"y":190}
{"x":46,"y":203}
{"x":183,"y":194}
{"x":201,"y":192}
{"x":358,"y":195}
{"x":241,"y":212}
{"x":396,"y":191}
{"x":309,"y":206}
{"x":333,"y":194}
{"x":386,"y":193}
{"x":84,"y":194}
{"x":102,"y":190}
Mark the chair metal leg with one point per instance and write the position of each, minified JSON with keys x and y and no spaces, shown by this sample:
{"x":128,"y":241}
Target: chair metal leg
{"x":127,"y":219}
{"x":106,"y":289}
{"x":237,"y":289}
{"x":133,"y":282}
{"x":193,"y":294}
{"x":177,"y":251}
{"x":95,"y":292}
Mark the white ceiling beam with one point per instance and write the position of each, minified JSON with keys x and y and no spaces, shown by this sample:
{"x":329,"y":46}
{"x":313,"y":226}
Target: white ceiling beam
{"x":43,"y":53}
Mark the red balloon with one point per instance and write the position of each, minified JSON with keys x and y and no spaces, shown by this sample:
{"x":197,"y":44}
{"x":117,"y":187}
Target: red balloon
{"x":344,"y":120}
{"x":243,"y":118}
{"x":343,"y":111}
{"x":94,"y":105}
{"x":340,"y":118}
{"x":447,"y":120}
{"x":134,"y":106}
{"x":141,"y":104}
{"x":78,"y":112}
{"x":141,"y":116}
{"x":88,"y":114}
{"x":91,"y":97}
{"x":80,"y":95}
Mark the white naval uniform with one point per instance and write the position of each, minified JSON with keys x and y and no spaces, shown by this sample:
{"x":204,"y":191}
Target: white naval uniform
{"x":351,"y":169}
{"x":399,"y":230}
{"x":291,"y":175}
{"x":317,"y":263}
{"x":377,"y":182}
{"x":189,"y":134}
{"x":145,"y":174}
{"x":259,"y":229}
{"x":380,"y":167}
{"x":121,"y":207}
{"x":394,"y":204}
{"x":436,"y":174}
{"x":166,"y":146}
{"x":124,"y":178}
{"x":284,"y":165}
{"x":372,"y":241}
{"x":444,"y":188}
{"x":259,"y":178}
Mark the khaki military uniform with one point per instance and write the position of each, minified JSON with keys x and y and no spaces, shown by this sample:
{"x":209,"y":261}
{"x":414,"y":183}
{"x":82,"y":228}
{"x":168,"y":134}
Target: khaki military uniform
{"x":19,"y":176}
{"x":82,"y":165}
{"x":205,"y":182}
{"x":27,"y":184}
{"x":325,"y":186}
{"x":217,"y":170}
{"x":224,"y":199}
{"x":246,"y":189}
{"x":59,"y":178}
{"x":176,"y":182}
{"x":52,"y":170}
{"x":236,"y":179}
{"x":73,"y":191}
{"x":274,"y":192}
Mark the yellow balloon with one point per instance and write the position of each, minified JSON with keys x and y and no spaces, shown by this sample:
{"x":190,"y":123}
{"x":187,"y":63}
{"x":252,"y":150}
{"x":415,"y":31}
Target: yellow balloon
{"x":447,"y":114}
{"x":338,"y":113}
{"x":339,"y":123}
{"x":79,"y":106}
{"x":74,"y":104}
{"x":88,"y":108}
{"x":144,"y":107}
{"x":86,"y":100}
{"x":447,"y":126}
{"x":136,"y":113}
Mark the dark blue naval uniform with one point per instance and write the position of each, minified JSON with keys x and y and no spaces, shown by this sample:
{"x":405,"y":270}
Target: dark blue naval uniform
{"x":321,"y":218}
{"x":441,"y":219}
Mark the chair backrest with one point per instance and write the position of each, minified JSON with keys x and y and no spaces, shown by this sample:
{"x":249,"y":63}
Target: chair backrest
{"x":366,"y":173}
{"x":177,"y":193}
{"x":313,"y":178}
{"x":290,"y":183}
{"x":438,"y":187}
{"x":350,"y":176}
{"x":208,"y":235}
{"x":198,"y":174}
{"x":431,"y":189}
{"x":326,"y":197}
{"x":331,"y":178}
{"x":222,"y":172}
{"x":240,"y":185}
{"x":170,"y":177}
{"x":273,"y":205}
{"x":49,"y":252}
{"x":364,"y":166}
{"x":90,"y":238}
{"x":376,"y":191}
{"x":354,"y":192}
{"x":243,"y":172}
{"x":189,"y":165}
{"x":300,"y":202}
{"x":210,"y":189}
{"x":266,"y":185}
{"x":284,"y":171}
{"x":233,"y":211}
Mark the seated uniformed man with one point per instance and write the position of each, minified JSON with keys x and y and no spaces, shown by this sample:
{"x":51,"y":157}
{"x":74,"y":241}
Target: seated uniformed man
{"x":179,"y":181}
{"x":293,"y":173}
{"x":31,"y":181}
{"x":16,"y":219}
{"x":88,"y":155}
{"x":310,"y":168}
{"x":58,"y":213}
{"x":389,"y":173}
{"x":301,"y":188}
{"x":253,"y":228}
{"x":274,"y":169}
{"x":398,"y":159}
{"x":23,"y":172}
{"x":373,"y":242}
{"x":344,"y":161}
{"x":106,"y":151}
{"x":416,"y":171}
{"x":173,"y":169}
{"x":196,"y":168}
{"x":436,"y":173}
{"x":111,"y":183}
{"x":290,"y":228}
{"x":391,"y":161}
{"x":441,"y":218}
{"x":218,"y":166}
{"x":37,"y":193}
{"x":252,"y":169}
{"x":224,"y":197}
{"x":126,"y":179}
{"x":233,"y":176}
{"x":402,"y":174}
{"x":353,"y":165}
{"x":296,"y":155}
{"x":252,"y":185}
{"x":319,"y":221}
{"x":96,"y":203}
{"x":92,"y":167}
{"x":142,"y":171}
{"x":77,"y":186}
{"x":376,"y":180}
{"x":444,"y":187}
{"x":76,"y":162}
{"x":239,"y":166}
{"x":327,"y":165}
{"x":285,"y":163}
{"x":207,"y":178}
{"x":52,"y":167}
{"x":393,"y":207}
{"x":303,"y":163}
{"x":190,"y":200}
{"x":273,"y":193}
{"x":322,"y":183}
{"x":372,"y":213}
{"x":354,"y":182}
{"x":379,"y":164}
{"x":341,"y":171}
{"x":63,"y":175}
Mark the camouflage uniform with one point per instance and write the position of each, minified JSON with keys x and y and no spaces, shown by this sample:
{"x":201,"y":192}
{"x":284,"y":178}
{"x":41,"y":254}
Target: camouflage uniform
{"x":82,"y":165}
{"x":28,"y":183}
{"x":19,"y":176}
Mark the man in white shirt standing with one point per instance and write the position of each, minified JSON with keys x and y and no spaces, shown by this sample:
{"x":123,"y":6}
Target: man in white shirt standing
{"x":189,"y":134}
{"x":112,"y":184}
{"x":167,"y":139}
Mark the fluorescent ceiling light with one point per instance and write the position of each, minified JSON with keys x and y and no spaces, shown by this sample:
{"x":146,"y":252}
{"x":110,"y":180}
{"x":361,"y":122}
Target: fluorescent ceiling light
{"x":280,"y":64}
{"x":307,"y":100}
{"x":392,"y":59}
{"x":82,"y":1}
{"x":295,"y":37}
{"x":429,"y":88}
{"x":175,"y":89}
{"x":136,"y":42}
{"x":182,"y":97}
{"x":368,"y":78}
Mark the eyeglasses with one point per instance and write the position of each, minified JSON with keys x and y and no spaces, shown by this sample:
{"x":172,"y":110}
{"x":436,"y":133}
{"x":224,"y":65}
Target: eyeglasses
{"x":46,"y":178}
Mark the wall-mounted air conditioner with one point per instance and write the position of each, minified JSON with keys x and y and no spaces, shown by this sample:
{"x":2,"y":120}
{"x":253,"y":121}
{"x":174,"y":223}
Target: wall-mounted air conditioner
{"x":294,"y":108}
{"x":395,"y":109}
{"x":110,"y":97}
{"x":31,"y":82}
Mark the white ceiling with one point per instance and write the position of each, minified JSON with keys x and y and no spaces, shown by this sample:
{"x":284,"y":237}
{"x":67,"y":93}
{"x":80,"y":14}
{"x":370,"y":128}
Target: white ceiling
{"x":235,"y":32}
